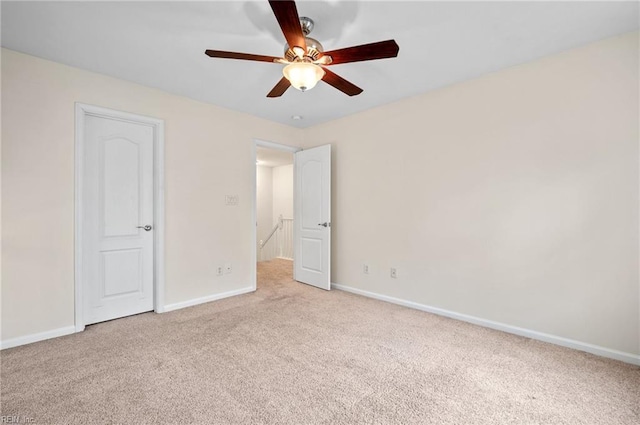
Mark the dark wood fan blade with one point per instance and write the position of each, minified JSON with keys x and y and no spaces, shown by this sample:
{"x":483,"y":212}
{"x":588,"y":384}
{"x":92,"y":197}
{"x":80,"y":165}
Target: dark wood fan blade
{"x":365,"y":52}
{"x":236,"y":55}
{"x":340,"y":83}
{"x":287,"y":16}
{"x":280,"y":88}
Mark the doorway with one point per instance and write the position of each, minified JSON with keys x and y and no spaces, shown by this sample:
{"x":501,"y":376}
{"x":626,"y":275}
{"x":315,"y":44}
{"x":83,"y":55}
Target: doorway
{"x":274,"y":212}
{"x":311,"y":199}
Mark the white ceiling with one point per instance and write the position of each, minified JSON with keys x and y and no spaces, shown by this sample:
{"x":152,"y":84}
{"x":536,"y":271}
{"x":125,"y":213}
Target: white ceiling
{"x":273,"y":158}
{"x":162,"y":44}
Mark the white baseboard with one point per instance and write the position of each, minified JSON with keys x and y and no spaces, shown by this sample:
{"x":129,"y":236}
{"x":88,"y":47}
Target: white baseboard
{"x":208,"y":298}
{"x":540,"y":336}
{"x":67,"y":330}
{"x":41,"y":336}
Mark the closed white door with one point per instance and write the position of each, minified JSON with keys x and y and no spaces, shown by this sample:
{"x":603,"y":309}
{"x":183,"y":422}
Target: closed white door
{"x":117,"y":218}
{"x":312,"y":217}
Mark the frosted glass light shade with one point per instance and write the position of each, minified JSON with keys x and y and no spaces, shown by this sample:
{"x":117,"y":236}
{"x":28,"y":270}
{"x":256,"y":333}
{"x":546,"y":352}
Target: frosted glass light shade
{"x":303,"y":75}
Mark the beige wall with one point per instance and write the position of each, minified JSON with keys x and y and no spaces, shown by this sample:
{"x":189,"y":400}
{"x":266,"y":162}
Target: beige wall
{"x":282,"y":192}
{"x":264,"y":206}
{"x":208,"y":155}
{"x":512,"y":197}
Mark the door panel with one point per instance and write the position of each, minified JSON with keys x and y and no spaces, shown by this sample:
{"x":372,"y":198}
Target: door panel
{"x":311,"y":254}
{"x":312,"y":239}
{"x":121,"y":272}
{"x":120,"y":178}
{"x":311,"y":187}
{"x":118,"y":196}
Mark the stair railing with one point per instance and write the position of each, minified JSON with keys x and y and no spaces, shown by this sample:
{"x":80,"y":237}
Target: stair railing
{"x":281,"y":237}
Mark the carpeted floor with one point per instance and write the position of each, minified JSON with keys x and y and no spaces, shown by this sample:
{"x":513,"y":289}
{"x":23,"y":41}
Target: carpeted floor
{"x":294,"y":354}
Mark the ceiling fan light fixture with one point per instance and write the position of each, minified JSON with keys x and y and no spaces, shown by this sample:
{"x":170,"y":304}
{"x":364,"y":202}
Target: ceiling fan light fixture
{"x":303,"y":75}
{"x":306,"y":60}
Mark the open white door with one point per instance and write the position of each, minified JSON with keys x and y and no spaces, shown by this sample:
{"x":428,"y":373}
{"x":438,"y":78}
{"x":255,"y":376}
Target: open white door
{"x":312,"y":217}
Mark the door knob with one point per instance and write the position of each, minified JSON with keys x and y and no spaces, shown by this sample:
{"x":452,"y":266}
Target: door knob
{"x":325,"y":224}
{"x":147,"y":227}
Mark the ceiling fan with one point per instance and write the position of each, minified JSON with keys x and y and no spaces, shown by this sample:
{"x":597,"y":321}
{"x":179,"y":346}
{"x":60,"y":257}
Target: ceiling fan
{"x":305,"y":57}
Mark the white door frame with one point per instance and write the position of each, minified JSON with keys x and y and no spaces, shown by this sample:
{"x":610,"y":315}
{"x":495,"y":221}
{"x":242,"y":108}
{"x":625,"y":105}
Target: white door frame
{"x":254,"y":206}
{"x":82,"y":111}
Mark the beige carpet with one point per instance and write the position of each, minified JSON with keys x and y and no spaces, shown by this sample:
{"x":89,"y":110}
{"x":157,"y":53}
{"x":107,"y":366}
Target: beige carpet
{"x":293,"y":354}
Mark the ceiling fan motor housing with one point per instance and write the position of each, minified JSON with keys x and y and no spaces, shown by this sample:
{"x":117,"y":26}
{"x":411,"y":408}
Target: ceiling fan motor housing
{"x":314,"y":47}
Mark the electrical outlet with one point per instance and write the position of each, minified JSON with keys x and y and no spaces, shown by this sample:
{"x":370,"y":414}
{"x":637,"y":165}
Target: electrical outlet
{"x":228,"y":268}
{"x":219,"y":270}
{"x":394,"y":272}
{"x":365,"y":269}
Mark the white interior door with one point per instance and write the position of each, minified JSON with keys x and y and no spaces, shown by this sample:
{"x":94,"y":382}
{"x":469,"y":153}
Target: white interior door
{"x":117,"y":205}
{"x":312,"y":217}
